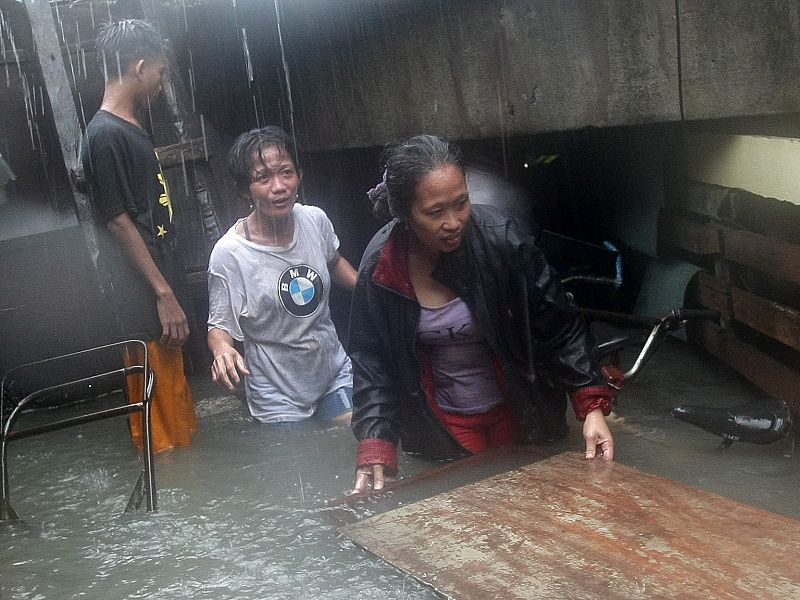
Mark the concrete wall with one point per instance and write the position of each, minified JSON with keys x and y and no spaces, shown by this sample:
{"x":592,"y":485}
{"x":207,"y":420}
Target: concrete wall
{"x":475,"y":69}
{"x":739,"y":57}
{"x":364,"y":72}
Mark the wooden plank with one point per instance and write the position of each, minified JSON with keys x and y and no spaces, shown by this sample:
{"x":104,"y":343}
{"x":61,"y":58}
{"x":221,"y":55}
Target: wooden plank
{"x":712,"y":294}
{"x":182,"y":152}
{"x":775,"y":320}
{"x":762,"y":253}
{"x":168,"y":156}
{"x":704,"y":200}
{"x":696,"y":237}
{"x":775,"y":378}
{"x":706,"y":279}
{"x":565,"y":527}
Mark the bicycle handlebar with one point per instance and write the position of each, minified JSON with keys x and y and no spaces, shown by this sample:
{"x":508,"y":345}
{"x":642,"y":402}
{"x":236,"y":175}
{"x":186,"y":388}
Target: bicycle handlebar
{"x":673,"y":321}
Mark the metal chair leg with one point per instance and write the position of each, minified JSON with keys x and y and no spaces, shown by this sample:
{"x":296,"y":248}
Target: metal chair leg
{"x":149,"y":472}
{"x":7,"y":512}
{"x":137,"y":495}
{"x":146,"y":484}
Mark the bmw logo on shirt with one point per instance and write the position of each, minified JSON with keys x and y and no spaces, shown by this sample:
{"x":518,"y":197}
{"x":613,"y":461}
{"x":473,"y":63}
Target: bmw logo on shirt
{"x":300,"y":289}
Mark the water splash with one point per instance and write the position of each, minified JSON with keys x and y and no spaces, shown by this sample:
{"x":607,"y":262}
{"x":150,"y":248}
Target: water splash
{"x":502,"y":120}
{"x":502,"y":95}
{"x":191,"y":81}
{"x":255,"y":110}
{"x":105,"y":67}
{"x":185,"y":20}
{"x":10,"y":35}
{"x":285,"y":71}
{"x":79,"y":51}
{"x":26,"y":94}
{"x":63,"y":38}
{"x":72,"y":64}
{"x":203,"y":133}
{"x":302,"y":491}
{"x":246,"y":50}
{"x":150,"y":113}
{"x":83,"y":114}
{"x":185,"y":175}
{"x":240,"y":538}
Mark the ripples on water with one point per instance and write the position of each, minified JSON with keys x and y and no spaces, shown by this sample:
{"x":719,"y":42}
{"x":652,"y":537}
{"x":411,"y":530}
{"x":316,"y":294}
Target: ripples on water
{"x":241,"y":516}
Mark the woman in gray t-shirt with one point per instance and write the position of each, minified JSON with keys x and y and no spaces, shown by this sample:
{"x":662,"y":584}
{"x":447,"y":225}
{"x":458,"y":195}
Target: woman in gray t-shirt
{"x":269,"y":281}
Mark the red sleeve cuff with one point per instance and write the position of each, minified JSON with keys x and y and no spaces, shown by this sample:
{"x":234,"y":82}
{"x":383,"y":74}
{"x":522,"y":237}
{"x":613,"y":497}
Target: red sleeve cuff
{"x":375,"y":451}
{"x":587,"y":399}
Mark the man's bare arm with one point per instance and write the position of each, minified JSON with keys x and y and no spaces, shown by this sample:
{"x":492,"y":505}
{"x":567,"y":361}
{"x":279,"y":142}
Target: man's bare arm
{"x":175,"y":328}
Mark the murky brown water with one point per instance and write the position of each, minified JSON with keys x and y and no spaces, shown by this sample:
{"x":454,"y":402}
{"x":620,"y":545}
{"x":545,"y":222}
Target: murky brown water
{"x":241,"y":516}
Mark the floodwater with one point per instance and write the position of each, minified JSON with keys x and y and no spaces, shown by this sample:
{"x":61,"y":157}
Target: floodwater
{"x":243,"y":510}
{"x":241,"y":515}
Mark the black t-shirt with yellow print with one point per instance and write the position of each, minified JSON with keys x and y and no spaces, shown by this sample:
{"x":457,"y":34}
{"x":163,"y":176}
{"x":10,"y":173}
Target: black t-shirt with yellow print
{"x":122,"y":169}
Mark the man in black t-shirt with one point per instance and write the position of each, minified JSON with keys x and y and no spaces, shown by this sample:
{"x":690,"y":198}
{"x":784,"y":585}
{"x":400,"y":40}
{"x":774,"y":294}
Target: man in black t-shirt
{"x":138,"y":262}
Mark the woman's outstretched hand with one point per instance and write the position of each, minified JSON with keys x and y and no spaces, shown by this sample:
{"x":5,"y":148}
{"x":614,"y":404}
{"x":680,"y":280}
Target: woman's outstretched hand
{"x":369,"y":476}
{"x":227,"y":367}
{"x":598,"y":436}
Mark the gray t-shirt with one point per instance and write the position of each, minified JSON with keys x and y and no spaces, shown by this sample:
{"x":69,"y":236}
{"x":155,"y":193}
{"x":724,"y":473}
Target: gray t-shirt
{"x":275,"y":300}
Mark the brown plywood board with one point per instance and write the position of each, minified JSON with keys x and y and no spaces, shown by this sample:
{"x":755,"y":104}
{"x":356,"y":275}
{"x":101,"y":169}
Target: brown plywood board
{"x":565,"y":527}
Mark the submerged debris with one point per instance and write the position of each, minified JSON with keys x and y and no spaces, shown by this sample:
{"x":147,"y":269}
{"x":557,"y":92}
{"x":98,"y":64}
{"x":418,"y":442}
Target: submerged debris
{"x":754,"y":422}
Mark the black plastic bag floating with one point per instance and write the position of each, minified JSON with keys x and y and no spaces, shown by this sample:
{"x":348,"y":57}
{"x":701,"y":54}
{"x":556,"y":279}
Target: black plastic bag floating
{"x":753,"y":422}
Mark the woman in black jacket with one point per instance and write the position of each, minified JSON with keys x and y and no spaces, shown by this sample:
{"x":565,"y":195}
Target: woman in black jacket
{"x":454,"y":311}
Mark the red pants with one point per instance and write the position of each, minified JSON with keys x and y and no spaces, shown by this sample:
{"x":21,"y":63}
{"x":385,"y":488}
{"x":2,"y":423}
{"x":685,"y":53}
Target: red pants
{"x":497,"y":427}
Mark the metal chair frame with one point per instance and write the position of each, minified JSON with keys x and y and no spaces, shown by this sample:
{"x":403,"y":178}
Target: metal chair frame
{"x":146,"y":484}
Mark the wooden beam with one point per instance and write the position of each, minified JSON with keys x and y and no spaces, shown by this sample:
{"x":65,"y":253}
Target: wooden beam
{"x":168,"y":156}
{"x":186,"y":151}
{"x":65,"y":114}
{"x":770,"y":318}
{"x":713,"y":294}
{"x":703,"y":199}
{"x":775,"y":378}
{"x":686,"y":234}
{"x":762,"y":253}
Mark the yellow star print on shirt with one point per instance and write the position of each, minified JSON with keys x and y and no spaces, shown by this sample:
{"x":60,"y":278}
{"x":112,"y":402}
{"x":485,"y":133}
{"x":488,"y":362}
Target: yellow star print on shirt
{"x":161,"y":231}
{"x":164,"y":199}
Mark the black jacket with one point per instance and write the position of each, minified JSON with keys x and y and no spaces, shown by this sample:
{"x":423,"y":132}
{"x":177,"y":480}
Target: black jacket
{"x":514,"y":296}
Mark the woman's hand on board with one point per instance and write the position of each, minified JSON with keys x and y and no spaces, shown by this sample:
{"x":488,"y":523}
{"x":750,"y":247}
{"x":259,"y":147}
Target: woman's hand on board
{"x":598,"y":436}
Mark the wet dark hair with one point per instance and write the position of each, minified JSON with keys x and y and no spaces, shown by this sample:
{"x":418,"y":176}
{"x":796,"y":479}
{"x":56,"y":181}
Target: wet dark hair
{"x":126,"y":41}
{"x":240,"y":156}
{"x":407,"y":163}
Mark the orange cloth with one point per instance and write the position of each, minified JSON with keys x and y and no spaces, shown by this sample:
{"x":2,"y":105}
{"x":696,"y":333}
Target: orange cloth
{"x":172,"y":415}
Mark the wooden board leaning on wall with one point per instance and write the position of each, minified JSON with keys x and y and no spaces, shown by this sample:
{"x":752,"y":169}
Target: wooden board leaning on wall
{"x":736,"y":249}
